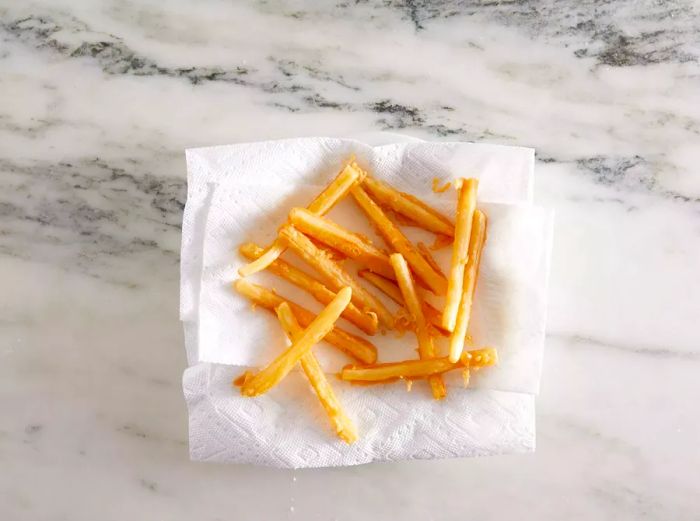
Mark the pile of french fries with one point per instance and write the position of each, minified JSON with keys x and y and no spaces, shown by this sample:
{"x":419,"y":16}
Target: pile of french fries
{"x":404,"y":273}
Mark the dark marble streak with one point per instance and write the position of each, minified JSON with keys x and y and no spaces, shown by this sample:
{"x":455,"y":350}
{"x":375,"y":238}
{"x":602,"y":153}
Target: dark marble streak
{"x":110,"y":52}
{"x":603,"y":30}
{"x":290,"y":69}
{"x":149,"y":485}
{"x":92,"y":217}
{"x":114,"y":57}
{"x":33,"y":428}
{"x":136,"y":432}
{"x":628,"y":174}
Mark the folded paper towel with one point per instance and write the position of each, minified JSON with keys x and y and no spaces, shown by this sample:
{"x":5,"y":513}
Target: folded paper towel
{"x":242,"y":192}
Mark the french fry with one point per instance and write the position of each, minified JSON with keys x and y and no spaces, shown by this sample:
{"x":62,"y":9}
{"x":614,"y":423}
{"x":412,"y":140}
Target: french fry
{"x":387,"y":372}
{"x":476,"y":245}
{"x":339,"y":187}
{"x":425,"y":252}
{"x":388,"y":287}
{"x":333,"y":254}
{"x":352,"y":345}
{"x":440,"y":189}
{"x":391,"y":290}
{"x":429,"y":209}
{"x":410,"y":206}
{"x":343,"y":426}
{"x":398,"y":241}
{"x":413,"y":369}
{"x":348,"y":243}
{"x":441,"y":241}
{"x":322,"y":204}
{"x":426,"y":347}
{"x":271,"y":253}
{"x":466,"y":204}
{"x":273,"y":373}
{"x":434,"y":318}
{"x":336,"y":277}
{"x":367,"y":322}
{"x":400,"y":219}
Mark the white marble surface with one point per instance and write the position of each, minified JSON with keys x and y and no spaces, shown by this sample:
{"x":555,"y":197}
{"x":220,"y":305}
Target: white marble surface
{"x":98,"y":101}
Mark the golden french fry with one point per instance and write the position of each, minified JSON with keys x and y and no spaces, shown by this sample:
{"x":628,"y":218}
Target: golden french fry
{"x":323,"y":202}
{"x":388,"y":287}
{"x":350,"y":175}
{"x":387,"y":372}
{"x":271,"y":253}
{"x":441,"y":241}
{"x":350,"y":244}
{"x":440,"y":189}
{"x":391,"y":290}
{"x":429,"y":209}
{"x":412,"y":369}
{"x":333,"y":254}
{"x":466,"y":204}
{"x":273,"y":373}
{"x":398,"y":241}
{"x":352,"y":345}
{"x":476,"y":245}
{"x":425,"y":252}
{"x":434,"y":318}
{"x":243,"y":378}
{"x":410,"y":206}
{"x":426,"y":347}
{"x":400,"y":219}
{"x":336,"y":277}
{"x":343,"y":426}
{"x":367,"y":322}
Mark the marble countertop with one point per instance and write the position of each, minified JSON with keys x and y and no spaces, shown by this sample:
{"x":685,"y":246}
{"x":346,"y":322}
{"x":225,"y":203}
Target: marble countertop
{"x":98,"y":100}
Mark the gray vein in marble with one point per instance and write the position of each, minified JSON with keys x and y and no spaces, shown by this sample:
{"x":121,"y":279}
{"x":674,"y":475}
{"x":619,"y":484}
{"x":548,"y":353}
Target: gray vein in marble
{"x":606,"y":31}
{"x":93,"y":215}
{"x":33,"y":428}
{"x":628,"y":174}
{"x":660,"y":352}
{"x":134,"y":431}
{"x":149,"y":485}
{"x":114,"y":57}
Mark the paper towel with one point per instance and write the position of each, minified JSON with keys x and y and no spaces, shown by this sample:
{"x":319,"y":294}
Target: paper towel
{"x":287,"y":427}
{"x":265,"y":180}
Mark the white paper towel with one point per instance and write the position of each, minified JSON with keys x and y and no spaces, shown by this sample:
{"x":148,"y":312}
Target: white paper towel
{"x":243,"y":192}
{"x":287,"y":428}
